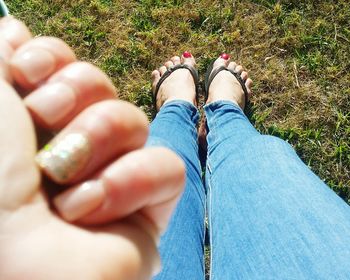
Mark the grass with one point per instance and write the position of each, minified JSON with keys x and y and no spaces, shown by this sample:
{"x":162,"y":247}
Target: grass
{"x":297,"y":52}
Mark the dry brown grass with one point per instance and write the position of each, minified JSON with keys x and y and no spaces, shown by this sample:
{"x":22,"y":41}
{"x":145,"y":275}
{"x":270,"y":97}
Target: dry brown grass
{"x":297,"y":54}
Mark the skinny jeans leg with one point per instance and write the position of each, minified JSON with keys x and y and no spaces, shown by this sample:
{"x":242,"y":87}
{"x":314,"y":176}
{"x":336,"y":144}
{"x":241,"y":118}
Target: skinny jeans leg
{"x":270,"y":216}
{"x":182,"y":245}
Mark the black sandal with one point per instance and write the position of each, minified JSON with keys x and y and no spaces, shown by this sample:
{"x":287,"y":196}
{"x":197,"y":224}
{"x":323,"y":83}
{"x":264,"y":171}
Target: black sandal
{"x":172,"y":69}
{"x":210,"y":75}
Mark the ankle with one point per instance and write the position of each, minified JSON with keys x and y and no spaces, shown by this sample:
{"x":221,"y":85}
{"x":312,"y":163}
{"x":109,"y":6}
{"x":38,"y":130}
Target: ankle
{"x":183,"y":98}
{"x":225,"y":88}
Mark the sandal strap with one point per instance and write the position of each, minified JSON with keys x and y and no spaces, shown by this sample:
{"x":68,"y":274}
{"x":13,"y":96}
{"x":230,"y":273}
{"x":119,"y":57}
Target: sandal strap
{"x":212,"y":74}
{"x":193,"y":72}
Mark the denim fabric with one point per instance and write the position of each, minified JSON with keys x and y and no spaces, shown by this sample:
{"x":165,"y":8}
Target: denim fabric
{"x":270,"y":217}
{"x":181,"y":247}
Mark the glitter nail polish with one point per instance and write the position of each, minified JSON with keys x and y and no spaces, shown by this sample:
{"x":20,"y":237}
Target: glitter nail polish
{"x":63,"y":158}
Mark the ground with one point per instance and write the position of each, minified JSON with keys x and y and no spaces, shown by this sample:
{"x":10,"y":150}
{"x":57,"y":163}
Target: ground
{"x":297,"y":53}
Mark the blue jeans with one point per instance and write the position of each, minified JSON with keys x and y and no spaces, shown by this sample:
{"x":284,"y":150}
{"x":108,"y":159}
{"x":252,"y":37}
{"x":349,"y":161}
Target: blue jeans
{"x":270,"y":217}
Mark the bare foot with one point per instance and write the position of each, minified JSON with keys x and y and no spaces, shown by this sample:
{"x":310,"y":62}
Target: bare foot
{"x":179,"y":85}
{"x":225,"y":86}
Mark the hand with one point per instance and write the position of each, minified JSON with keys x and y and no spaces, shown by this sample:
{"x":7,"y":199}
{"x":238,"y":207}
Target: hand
{"x":119,"y":194}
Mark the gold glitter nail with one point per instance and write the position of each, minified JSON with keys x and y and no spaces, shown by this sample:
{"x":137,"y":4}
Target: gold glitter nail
{"x":62,"y":159}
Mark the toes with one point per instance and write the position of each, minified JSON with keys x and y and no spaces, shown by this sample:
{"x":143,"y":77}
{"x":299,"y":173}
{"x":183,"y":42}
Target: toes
{"x":187,"y":58}
{"x":155,"y":79}
{"x":232,"y":66}
{"x":67,"y":93}
{"x":223,"y":60}
{"x":249,"y":84}
{"x":239,"y":69}
{"x":100,"y":134}
{"x":168,"y":64}
{"x":39,"y":58}
{"x":176,"y":60}
{"x":244,"y":75}
{"x":162,"y":70}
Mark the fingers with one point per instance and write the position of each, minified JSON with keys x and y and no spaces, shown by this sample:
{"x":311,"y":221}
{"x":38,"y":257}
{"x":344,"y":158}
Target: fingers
{"x":101,"y":133}
{"x":19,"y":175}
{"x":67,"y":93}
{"x":6,"y":52}
{"x":39,"y":58}
{"x":128,"y":185}
{"x":13,"y":33}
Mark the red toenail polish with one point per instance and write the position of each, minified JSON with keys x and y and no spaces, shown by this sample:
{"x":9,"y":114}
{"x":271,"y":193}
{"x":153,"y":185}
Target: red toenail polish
{"x":187,"y":55}
{"x":225,"y":56}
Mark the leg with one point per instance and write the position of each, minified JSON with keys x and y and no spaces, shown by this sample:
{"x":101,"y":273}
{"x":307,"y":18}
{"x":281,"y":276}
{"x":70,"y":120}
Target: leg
{"x":181,"y":247}
{"x":270,"y":216}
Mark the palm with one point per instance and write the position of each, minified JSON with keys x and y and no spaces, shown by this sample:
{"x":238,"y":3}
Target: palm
{"x":35,"y":243}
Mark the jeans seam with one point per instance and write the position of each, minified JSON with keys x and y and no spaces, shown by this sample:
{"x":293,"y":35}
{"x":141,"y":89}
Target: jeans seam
{"x":210,"y":229}
{"x":203,"y":239}
{"x":210,"y":191}
{"x":213,"y":133}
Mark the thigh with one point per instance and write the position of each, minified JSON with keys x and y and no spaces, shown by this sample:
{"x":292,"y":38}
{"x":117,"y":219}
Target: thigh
{"x":270,"y":216}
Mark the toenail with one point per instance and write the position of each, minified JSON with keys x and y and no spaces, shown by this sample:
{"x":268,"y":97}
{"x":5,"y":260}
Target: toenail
{"x":225,"y":56}
{"x":187,"y":54}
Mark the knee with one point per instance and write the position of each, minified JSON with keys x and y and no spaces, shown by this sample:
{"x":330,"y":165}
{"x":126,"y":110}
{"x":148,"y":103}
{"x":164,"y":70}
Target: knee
{"x":273,"y":142}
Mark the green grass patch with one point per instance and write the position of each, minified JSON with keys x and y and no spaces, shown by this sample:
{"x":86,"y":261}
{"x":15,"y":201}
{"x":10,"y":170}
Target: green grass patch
{"x":296,"y":51}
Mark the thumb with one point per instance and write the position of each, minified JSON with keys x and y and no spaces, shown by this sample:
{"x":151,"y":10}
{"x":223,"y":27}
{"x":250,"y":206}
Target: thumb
{"x":19,"y":176}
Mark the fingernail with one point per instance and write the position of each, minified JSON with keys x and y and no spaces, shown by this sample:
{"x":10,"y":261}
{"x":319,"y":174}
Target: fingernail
{"x":34,"y":64}
{"x":62,"y":159}
{"x":52,"y":102}
{"x":187,"y":54}
{"x":81,"y":200}
{"x":225,"y":56}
